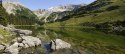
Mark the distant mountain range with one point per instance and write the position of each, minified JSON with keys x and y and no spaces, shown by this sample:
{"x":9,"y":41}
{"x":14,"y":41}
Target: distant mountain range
{"x":45,"y":14}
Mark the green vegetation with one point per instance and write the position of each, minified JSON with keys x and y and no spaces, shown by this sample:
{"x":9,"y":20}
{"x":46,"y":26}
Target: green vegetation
{"x":22,"y":17}
{"x":100,"y":14}
{"x":89,"y":40}
{"x":6,"y":36}
{"x":3,"y":15}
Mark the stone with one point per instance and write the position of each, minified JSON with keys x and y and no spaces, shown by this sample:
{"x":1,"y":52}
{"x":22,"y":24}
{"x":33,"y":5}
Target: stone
{"x":31,"y":41}
{"x":59,"y":44}
{"x":23,"y":32}
{"x":1,"y":36}
{"x":19,"y":40}
{"x":21,"y":45}
{"x":2,"y":47}
{"x":13,"y":48}
{"x":1,"y":26}
{"x":22,"y":42}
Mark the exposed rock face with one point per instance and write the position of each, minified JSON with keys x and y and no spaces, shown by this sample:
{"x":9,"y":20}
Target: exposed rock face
{"x":44,"y":14}
{"x":62,"y":8}
{"x":11,"y":7}
{"x":40,"y":12}
{"x":25,"y":42}
{"x":60,"y":44}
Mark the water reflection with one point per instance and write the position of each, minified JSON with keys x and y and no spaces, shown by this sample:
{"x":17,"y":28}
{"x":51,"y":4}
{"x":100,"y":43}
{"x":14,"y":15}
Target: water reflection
{"x":82,"y":41}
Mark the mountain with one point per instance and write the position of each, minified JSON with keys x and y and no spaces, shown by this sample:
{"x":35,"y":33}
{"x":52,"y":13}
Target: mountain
{"x":99,"y":14}
{"x":11,"y":7}
{"x":18,"y":14}
{"x":63,"y":8}
{"x":55,"y":13}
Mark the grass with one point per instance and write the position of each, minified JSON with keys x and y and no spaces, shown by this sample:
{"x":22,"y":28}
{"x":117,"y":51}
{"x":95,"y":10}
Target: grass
{"x":6,"y":37}
{"x":91,"y":40}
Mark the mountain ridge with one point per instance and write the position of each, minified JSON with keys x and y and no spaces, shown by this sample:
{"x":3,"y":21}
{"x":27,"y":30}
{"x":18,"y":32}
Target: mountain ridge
{"x":45,"y":14}
{"x":99,"y":14}
{"x":17,"y":14}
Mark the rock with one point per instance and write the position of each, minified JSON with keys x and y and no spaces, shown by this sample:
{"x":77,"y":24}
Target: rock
{"x":23,"y":32}
{"x":31,"y":41}
{"x":2,"y":47}
{"x":13,"y":48}
{"x":1,"y":26}
{"x":59,"y":44}
{"x":18,"y":31}
{"x":23,"y":42}
{"x":9,"y":28}
{"x":19,"y":40}
{"x":1,"y":36}
{"x":21,"y":45}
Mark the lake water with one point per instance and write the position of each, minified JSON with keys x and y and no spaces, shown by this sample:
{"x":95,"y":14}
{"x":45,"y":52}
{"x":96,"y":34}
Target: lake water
{"x":82,"y":40}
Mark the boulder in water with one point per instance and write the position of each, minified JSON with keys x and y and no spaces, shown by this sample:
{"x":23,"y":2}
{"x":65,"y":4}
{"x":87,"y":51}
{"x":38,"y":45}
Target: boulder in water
{"x":23,"y":32}
{"x":31,"y":41}
{"x":59,"y":44}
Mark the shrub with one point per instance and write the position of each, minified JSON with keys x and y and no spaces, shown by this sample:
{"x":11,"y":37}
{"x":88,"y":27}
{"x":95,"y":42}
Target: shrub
{"x":112,"y":8}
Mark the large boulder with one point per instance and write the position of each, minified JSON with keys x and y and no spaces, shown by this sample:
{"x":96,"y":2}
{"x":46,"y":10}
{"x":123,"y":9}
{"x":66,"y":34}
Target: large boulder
{"x":24,"y":32}
{"x":30,"y":41}
{"x":8,"y":28}
{"x":59,"y":44}
{"x":13,"y":48}
{"x":27,"y":41}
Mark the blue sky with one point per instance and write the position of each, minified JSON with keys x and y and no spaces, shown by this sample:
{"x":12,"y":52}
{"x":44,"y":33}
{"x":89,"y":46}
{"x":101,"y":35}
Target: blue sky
{"x":45,"y":4}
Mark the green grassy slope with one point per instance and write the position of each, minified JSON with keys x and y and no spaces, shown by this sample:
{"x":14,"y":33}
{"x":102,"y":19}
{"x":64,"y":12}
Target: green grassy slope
{"x":98,"y":42}
{"x":97,"y":13}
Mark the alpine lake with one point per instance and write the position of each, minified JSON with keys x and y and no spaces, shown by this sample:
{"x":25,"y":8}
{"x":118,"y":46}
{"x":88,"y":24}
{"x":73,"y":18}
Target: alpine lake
{"x":82,"y":40}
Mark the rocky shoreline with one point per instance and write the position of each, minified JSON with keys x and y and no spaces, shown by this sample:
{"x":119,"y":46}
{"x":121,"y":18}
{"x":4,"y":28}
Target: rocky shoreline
{"x":23,"y":40}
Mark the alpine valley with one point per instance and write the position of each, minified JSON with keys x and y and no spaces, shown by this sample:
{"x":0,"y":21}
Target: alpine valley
{"x":94,"y":28}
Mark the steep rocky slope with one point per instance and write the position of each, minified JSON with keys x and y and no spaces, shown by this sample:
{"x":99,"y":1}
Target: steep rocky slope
{"x":55,"y":13}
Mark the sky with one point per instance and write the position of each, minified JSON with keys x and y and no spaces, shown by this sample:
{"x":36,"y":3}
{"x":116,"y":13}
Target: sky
{"x":45,"y":4}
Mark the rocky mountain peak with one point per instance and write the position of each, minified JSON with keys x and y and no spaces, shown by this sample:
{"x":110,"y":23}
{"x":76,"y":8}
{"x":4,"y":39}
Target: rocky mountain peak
{"x":62,"y":8}
{"x":42,"y":13}
{"x":11,"y":7}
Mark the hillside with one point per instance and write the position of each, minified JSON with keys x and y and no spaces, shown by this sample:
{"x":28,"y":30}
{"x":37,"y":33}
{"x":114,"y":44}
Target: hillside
{"x":17,"y":14}
{"x":100,"y":14}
